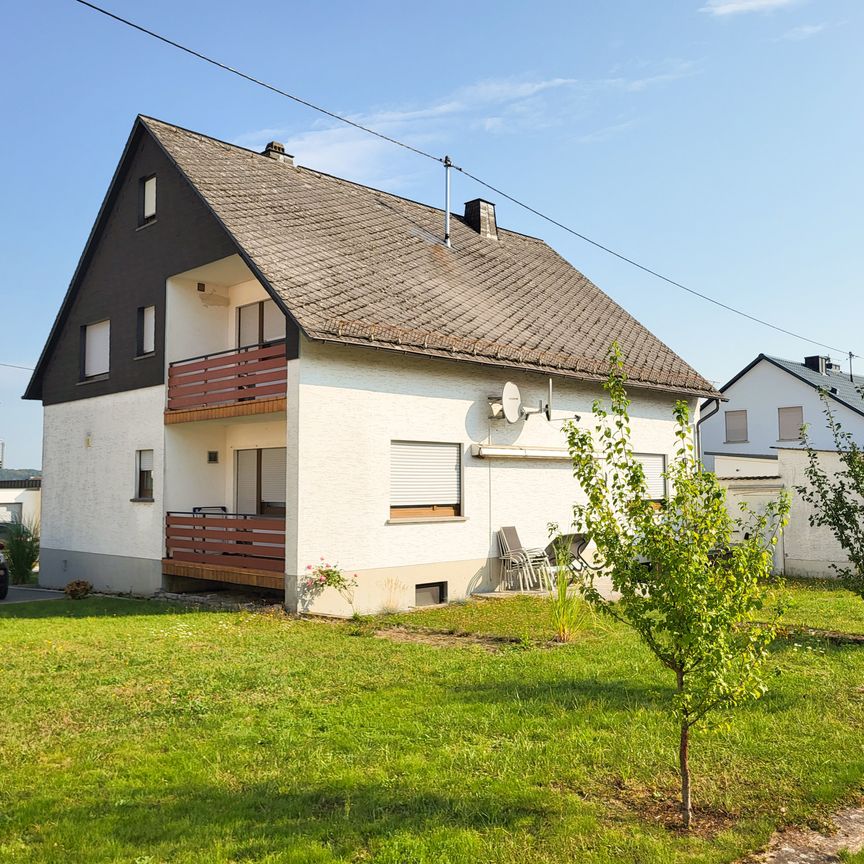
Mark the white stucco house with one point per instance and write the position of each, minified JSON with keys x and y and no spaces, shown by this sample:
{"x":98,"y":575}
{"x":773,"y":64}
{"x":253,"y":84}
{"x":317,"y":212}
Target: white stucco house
{"x":257,"y":365}
{"x":752,"y":442}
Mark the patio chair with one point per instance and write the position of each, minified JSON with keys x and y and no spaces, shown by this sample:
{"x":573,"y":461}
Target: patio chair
{"x":575,"y":545}
{"x":526,"y":565}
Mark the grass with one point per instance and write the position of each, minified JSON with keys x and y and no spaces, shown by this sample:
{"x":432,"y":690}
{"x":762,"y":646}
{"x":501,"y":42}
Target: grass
{"x":139,"y":732}
{"x":823,"y":604}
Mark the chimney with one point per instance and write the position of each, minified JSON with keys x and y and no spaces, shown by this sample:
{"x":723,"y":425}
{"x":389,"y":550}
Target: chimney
{"x":480,"y":215}
{"x":276,"y":150}
{"x":817,"y":363}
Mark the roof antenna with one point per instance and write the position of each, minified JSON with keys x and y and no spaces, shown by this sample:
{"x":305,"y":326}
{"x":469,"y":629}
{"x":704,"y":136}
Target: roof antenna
{"x":851,"y":378}
{"x":447,"y":164}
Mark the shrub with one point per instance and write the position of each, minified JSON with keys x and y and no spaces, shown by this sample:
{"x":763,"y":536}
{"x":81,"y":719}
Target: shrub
{"x":77,"y":589}
{"x":22,"y":550}
{"x":324,"y":575}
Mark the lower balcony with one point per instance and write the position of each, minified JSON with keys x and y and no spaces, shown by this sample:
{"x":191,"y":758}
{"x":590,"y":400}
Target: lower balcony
{"x":226,"y":547}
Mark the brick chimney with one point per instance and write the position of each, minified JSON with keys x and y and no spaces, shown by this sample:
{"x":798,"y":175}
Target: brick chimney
{"x":276,"y":150}
{"x":480,"y":215}
{"x":817,"y":363}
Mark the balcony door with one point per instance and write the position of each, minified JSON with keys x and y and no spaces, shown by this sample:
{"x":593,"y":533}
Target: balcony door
{"x":260,"y":481}
{"x":258,"y":323}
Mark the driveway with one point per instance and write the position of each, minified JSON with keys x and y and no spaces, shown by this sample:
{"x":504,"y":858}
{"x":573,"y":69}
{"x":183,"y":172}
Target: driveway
{"x":19,"y":594}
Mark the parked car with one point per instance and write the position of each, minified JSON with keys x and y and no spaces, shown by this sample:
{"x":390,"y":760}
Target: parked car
{"x":4,"y":574}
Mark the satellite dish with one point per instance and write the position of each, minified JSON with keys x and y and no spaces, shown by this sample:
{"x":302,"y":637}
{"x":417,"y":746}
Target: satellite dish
{"x":511,"y":402}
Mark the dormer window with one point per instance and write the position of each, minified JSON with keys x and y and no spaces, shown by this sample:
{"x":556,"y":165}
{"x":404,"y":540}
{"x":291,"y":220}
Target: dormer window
{"x":148,"y":200}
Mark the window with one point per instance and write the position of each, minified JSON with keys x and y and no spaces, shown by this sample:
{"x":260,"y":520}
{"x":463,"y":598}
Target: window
{"x":148,"y":200}
{"x":654,"y":466}
{"x":95,"y":349}
{"x":789,"y":422}
{"x":430,"y":594}
{"x":144,"y":475}
{"x":425,"y":479}
{"x":212,"y":457}
{"x":259,"y":322}
{"x":736,"y":427}
{"x":260,"y":481}
{"x":11,"y":512}
{"x":146,"y":330}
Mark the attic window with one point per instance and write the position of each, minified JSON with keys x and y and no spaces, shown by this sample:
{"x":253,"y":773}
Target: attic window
{"x":148,"y":200}
{"x":146,"y":337}
{"x":95,"y":350}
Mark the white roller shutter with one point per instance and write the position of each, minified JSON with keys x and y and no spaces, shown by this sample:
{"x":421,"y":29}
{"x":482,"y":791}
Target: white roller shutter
{"x":145,"y":460}
{"x":247,"y":481}
{"x":97,"y":344}
{"x":273,"y":468}
{"x":425,"y":474}
{"x":654,"y":464}
{"x":736,"y":426}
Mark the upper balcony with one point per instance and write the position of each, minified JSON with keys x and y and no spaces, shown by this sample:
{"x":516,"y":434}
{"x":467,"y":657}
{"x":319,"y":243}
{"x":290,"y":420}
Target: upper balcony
{"x":250,"y":380}
{"x":228,"y":345}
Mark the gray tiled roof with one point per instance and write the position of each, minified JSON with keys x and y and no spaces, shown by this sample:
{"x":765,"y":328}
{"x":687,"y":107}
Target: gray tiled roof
{"x":356,"y":265}
{"x":834,"y":381}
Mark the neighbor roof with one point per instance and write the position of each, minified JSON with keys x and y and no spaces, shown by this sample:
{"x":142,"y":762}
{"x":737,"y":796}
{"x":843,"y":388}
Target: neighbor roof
{"x":834,"y":382}
{"x":356,"y":265}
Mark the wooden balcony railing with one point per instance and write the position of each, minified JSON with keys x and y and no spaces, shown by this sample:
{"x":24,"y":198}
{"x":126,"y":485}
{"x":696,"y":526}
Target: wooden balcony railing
{"x":226,"y":540}
{"x":229,"y":377}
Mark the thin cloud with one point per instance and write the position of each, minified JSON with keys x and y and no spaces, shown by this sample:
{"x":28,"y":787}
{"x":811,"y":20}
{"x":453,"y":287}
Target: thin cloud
{"x":738,"y":7}
{"x":495,"y":106}
{"x":799,"y":34}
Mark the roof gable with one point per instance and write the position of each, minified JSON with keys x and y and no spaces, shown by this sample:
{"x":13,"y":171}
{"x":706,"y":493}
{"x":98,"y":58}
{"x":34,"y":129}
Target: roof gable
{"x":355,"y":265}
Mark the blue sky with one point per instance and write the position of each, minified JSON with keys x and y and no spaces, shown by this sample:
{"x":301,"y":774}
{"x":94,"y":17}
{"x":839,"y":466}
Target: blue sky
{"x":718,"y":141}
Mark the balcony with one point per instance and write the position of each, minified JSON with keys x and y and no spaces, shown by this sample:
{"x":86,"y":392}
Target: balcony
{"x":226,"y":547}
{"x":250,"y":380}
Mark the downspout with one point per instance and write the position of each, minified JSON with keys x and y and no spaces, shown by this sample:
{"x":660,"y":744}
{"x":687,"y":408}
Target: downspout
{"x":699,"y":422}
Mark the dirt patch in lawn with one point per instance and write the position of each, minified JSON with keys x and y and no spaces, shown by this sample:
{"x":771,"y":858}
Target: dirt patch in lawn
{"x":424,"y":636}
{"x":804,"y":846}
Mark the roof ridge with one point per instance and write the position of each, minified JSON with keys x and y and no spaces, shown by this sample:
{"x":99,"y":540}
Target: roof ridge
{"x":333,"y":177}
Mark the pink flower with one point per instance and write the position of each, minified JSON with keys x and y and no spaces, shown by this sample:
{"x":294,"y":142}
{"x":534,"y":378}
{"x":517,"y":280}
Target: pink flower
{"x":322,"y":557}
{"x":308,"y":566}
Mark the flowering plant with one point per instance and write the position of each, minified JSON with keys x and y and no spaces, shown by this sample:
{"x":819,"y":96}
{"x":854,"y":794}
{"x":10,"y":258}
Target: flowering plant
{"x":324,"y":575}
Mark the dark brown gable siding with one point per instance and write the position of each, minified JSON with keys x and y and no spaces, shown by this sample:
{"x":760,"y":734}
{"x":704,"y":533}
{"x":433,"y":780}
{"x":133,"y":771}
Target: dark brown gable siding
{"x":128,"y":267}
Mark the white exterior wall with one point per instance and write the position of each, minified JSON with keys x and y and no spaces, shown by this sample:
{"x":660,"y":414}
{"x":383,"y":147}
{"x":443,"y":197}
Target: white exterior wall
{"x":354,"y":402}
{"x":89,"y":477}
{"x":810,"y":551}
{"x":744,"y":466}
{"x":760,"y":392}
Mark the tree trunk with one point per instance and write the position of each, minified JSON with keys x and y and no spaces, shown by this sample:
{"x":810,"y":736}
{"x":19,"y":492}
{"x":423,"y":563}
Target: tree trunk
{"x":684,"y":762}
{"x":684,"y":765}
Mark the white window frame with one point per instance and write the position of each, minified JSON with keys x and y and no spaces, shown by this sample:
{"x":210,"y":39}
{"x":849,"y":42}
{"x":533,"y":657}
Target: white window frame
{"x":142,"y":459}
{"x":146,"y":331}
{"x":95,"y":364}
{"x":402,"y":511}
{"x":746,"y":437}
{"x":665,"y":466}
{"x":797,"y":435}
{"x":148,"y":199}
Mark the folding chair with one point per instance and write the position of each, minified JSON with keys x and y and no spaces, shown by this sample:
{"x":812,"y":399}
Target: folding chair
{"x":525,"y":564}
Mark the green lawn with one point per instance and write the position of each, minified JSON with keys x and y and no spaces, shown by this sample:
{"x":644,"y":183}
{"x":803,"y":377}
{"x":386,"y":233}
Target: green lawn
{"x":137,"y":732}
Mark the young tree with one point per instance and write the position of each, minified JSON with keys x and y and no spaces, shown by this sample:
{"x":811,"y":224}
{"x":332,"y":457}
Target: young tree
{"x":686,"y":588}
{"x":837,"y":498}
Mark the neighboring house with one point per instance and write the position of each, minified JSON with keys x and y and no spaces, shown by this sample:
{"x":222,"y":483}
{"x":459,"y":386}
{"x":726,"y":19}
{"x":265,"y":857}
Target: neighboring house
{"x":767,"y":402}
{"x":20,"y":501}
{"x":752,"y":442}
{"x":305,"y":358}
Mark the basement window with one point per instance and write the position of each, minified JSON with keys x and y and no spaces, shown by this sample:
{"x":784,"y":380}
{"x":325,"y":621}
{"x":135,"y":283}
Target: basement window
{"x":147,"y":199}
{"x":425,"y":480}
{"x":146,"y":339}
{"x":430,"y":594}
{"x":95,"y":350}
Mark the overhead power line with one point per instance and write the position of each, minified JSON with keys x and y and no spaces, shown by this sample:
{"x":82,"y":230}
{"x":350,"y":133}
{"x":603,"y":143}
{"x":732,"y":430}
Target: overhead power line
{"x":15,"y":366}
{"x":417,"y":151}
